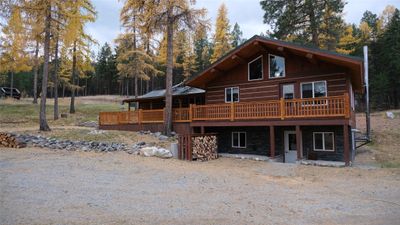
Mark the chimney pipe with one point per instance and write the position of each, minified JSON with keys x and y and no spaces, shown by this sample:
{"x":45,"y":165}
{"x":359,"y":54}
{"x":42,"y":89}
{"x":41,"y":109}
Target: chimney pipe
{"x":367,"y":111}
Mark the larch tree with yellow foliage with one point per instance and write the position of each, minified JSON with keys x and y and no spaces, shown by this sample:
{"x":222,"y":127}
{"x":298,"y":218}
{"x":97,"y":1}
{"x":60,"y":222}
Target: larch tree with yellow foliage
{"x":13,"y":43}
{"x":79,"y":12}
{"x":222,"y":36}
{"x":348,"y":42}
{"x":168,"y":16}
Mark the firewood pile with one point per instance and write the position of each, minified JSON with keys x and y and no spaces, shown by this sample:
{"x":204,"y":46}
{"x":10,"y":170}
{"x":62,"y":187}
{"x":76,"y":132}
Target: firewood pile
{"x":204,"y":148}
{"x":10,"y":141}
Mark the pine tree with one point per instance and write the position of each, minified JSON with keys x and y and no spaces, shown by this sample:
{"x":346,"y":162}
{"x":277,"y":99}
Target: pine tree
{"x":299,"y":21}
{"x":222,"y":36}
{"x":201,"y":47}
{"x":13,"y":57}
{"x":331,"y":25}
{"x":237,"y":36}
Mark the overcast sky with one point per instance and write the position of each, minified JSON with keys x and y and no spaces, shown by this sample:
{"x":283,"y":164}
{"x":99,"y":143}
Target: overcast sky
{"x":247,"y":13}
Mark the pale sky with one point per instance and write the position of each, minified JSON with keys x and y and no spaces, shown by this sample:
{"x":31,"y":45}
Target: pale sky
{"x":247,"y":13}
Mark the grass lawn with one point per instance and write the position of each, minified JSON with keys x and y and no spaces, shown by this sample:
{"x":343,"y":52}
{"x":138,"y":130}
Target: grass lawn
{"x":23,"y":113}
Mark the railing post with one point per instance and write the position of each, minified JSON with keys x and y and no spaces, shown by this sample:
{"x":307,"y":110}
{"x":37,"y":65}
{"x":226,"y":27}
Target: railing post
{"x":191,"y":112}
{"x":140,"y":116}
{"x":232,"y":111}
{"x":282,"y":104}
{"x":346,"y":105}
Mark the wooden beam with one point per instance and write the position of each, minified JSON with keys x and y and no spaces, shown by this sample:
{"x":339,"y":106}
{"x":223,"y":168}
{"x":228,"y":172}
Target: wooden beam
{"x":272,"y":141}
{"x":311,"y":58}
{"x":346,"y":145}
{"x":259,"y":45}
{"x":299,"y":143}
{"x":239,"y":58}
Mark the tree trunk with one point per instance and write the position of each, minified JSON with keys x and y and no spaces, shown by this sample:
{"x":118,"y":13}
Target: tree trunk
{"x":168,"y":78}
{"x":12,"y":84}
{"x":55,"y":78}
{"x":313,"y":23}
{"x":35,"y":73}
{"x":42,"y":115}
{"x":72,"y":105}
{"x":136,"y":87}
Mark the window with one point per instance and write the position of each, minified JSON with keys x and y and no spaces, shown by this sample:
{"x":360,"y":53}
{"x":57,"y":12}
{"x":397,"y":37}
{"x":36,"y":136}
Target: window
{"x":313,"y":89}
{"x":288,"y":91}
{"x":255,"y":69}
{"x":276,"y":66}
{"x":324,"y":141}
{"x":232,"y":94}
{"x":238,"y":139}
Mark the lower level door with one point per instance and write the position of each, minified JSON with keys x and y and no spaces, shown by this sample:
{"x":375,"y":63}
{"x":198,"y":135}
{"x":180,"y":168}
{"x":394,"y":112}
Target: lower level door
{"x":290,"y":147}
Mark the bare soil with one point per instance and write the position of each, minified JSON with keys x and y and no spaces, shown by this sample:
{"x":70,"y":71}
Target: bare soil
{"x":39,"y":186}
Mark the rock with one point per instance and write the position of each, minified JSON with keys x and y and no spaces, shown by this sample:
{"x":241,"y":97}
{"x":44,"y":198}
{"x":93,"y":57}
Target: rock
{"x":162,"y":137}
{"x":390,"y":115}
{"x":154,"y":151}
{"x":88,"y":124}
{"x":141,"y":143}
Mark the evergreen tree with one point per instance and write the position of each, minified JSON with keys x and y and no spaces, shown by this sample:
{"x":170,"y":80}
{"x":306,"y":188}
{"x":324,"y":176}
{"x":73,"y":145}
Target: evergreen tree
{"x":301,"y":20}
{"x":201,"y":48}
{"x":385,"y":78}
{"x":237,"y":36}
{"x":348,"y":41}
{"x":222,"y":36}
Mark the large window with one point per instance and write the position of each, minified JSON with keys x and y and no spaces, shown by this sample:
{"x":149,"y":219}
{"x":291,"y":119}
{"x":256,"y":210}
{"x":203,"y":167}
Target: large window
{"x":313,"y":89}
{"x":232,"y":94}
{"x":239,"y":139}
{"x":256,"y":69}
{"x":324,"y":141}
{"x":276,"y":66}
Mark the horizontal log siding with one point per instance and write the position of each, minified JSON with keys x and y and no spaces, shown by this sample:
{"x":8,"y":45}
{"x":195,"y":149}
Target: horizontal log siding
{"x":298,"y":70}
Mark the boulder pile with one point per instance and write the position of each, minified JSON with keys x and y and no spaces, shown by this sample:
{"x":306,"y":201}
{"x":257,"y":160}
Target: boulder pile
{"x":139,"y":148}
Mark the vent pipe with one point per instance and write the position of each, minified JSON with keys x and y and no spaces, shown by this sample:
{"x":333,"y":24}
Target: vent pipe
{"x":367,"y":111}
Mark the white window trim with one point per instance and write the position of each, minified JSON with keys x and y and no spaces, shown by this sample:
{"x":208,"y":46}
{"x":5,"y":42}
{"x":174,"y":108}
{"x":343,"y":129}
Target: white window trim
{"x":262,"y":68}
{"x":232,"y":94}
{"x":245,"y":139}
{"x":323,"y":142}
{"x":269,"y":67}
{"x":312,"y":82}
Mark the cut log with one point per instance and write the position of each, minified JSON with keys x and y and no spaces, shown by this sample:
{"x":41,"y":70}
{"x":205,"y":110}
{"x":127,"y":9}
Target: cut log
{"x":204,"y":148}
{"x":10,"y":141}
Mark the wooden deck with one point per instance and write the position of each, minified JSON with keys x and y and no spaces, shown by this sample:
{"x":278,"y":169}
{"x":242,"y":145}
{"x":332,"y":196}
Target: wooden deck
{"x":326,"y":107}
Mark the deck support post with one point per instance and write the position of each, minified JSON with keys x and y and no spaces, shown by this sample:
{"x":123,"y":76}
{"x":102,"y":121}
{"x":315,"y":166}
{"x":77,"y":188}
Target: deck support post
{"x":346,"y":145}
{"x":299,"y":143}
{"x":202,"y":129}
{"x":272,"y":141}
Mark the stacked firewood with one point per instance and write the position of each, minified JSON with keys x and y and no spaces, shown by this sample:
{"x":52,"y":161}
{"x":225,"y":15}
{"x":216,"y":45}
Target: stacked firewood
{"x":204,"y":148}
{"x":10,"y":141}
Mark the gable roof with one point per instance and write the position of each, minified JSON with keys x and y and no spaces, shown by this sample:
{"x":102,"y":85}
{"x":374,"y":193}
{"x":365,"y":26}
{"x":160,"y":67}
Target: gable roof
{"x":239,"y":54}
{"x":177,"y":90}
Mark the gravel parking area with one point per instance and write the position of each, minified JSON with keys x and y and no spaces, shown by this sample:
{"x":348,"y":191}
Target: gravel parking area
{"x":38,"y":186}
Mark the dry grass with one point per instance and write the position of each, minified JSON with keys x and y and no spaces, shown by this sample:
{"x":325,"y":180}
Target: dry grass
{"x":14,"y":113}
{"x":385,"y":145}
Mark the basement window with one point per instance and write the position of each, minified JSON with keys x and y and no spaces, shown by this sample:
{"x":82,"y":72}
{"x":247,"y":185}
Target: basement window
{"x":238,"y":139}
{"x":231,"y":94}
{"x":276,"y":66}
{"x":324,"y":141}
{"x":255,"y":69}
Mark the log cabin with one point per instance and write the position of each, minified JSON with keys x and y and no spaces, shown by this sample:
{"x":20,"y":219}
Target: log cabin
{"x":266,"y":97}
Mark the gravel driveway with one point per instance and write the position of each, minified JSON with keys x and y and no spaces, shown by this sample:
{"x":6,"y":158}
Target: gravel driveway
{"x":44,"y":187}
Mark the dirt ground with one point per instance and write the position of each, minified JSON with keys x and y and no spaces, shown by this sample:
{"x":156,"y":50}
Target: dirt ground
{"x":39,"y":186}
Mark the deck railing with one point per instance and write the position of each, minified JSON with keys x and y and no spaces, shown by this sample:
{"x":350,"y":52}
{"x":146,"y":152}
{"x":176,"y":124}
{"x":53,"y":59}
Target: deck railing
{"x":335,"y":106}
